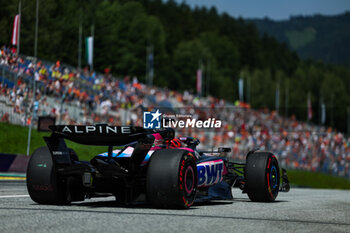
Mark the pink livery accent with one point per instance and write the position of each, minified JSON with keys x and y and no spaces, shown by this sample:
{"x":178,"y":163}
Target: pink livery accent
{"x":184,"y":148}
{"x":225,"y":170}
{"x":157,"y":136}
{"x":211,"y":161}
{"x":158,"y":140}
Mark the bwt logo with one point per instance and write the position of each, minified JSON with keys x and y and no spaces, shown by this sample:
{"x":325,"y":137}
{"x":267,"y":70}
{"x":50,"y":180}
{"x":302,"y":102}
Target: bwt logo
{"x":210,"y":172}
{"x":151,"y":120}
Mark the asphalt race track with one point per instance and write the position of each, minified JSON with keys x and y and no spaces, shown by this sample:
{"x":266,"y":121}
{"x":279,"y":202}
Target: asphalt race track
{"x":300,"y":210}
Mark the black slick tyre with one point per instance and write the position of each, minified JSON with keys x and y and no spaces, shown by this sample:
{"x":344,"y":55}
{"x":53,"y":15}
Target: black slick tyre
{"x":172,"y":179}
{"x":43,"y":184}
{"x":262,"y":177}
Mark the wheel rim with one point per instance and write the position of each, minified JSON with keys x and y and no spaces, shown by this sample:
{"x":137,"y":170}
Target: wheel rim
{"x":189,"y":180}
{"x":273,"y":177}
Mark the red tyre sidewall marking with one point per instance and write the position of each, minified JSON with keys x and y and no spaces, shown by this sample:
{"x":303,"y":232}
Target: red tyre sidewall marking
{"x":268,"y":178}
{"x":181,"y":179}
{"x":181,"y":183}
{"x":181,"y":174}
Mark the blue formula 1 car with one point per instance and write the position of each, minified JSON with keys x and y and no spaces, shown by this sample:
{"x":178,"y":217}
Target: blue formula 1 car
{"x":168,"y":172}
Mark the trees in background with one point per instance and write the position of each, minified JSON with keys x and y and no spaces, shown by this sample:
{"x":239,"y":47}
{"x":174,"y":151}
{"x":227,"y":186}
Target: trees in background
{"x":183,"y":40}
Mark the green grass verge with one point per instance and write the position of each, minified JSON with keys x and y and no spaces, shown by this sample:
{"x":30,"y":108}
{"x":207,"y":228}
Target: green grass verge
{"x":14,"y":139}
{"x":317,"y":180}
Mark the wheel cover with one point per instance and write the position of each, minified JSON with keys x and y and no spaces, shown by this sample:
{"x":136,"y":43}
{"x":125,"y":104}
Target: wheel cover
{"x":189,"y":180}
{"x":273,"y":177}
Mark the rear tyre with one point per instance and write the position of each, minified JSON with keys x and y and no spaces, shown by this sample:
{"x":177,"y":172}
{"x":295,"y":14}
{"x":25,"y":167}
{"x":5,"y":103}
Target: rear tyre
{"x":172,"y":179}
{"x":43,"y":184}
{"x":262,"y":177}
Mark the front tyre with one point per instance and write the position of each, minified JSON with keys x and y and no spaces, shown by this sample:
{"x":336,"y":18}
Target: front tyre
{"x":172,"y":179}
{"x":262,"y":177}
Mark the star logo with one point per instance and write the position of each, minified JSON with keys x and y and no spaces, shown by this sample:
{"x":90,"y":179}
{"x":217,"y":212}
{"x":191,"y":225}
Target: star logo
{"x":155,"y":115}
{"x":151,"y":120}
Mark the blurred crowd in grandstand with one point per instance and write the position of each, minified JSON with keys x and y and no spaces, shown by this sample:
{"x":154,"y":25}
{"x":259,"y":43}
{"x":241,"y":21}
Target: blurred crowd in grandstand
{"x":82,"y":97}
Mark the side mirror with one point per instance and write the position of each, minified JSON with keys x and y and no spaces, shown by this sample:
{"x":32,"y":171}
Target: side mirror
{"x":224,"y":149}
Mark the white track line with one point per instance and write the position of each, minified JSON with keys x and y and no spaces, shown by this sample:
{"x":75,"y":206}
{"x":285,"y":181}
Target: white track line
{"x":9,"y":189}
{"x":9,"y":196}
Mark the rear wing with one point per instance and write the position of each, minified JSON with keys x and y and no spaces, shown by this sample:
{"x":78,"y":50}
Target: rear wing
{"x":106,"y":135}
{"x":103,"y":135}
{"x":99,"y":135}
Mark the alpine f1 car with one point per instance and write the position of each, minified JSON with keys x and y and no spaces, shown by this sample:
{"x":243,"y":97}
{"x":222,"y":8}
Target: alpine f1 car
{"x":168,"y":172}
